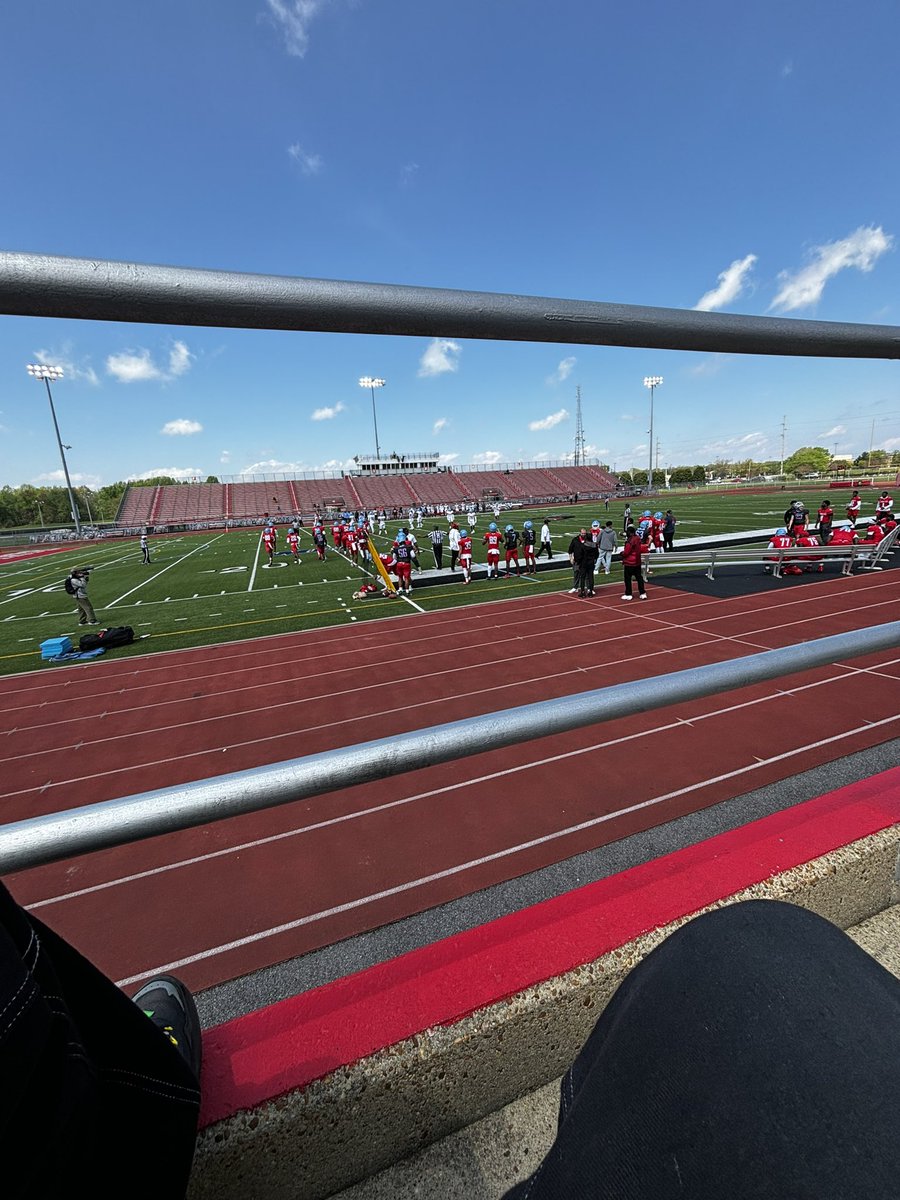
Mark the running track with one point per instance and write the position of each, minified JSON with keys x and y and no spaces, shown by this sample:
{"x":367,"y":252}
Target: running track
{"x":230,"y":898}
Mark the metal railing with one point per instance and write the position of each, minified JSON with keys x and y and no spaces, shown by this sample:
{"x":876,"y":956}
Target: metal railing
{"x":49,"y":286}
{"x":49,"y":838}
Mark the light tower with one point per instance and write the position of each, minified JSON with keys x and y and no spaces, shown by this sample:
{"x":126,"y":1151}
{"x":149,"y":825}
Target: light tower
{"x":368,"y":382}
{"x":42,"y":371}
{"x":652,"y":382}
{"x":579,"y":430}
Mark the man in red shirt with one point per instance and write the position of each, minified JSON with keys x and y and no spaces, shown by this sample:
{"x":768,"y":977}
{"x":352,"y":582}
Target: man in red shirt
{"x":293,"y":542}
{"x":854,"y":508}
{"x":809,"y":540}
{"x":884,"y":504}
{"x":826,"y":521}
{"x":782,"y":540}
{"x":337,"y":532}
{"x":631,"y":561}
{"x":465,"y":555}
{"x":268,"y":539}
{"x":492,"y":539}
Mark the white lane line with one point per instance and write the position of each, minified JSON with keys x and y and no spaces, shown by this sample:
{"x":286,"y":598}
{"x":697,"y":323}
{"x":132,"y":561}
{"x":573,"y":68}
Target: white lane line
{"x":417,"y":607}
{"x":144,"y":582}
{"x":412,"y":884}
{"x":402,"y":801}
{"x":255,"y":563}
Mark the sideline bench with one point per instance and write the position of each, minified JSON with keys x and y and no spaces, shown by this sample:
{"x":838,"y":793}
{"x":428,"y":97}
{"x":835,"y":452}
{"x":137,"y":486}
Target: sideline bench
{"x":866,"y":556}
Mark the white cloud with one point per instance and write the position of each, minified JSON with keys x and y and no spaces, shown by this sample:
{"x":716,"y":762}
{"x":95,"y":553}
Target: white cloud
{"x":738,"y":447}
{"x":137,"y":366}
{"x":440,"y":423}
{"x":327,"y":414}
{"x":861,"y":249}
{"x":130,"y":367}
{"x":540,"y":457}
{"x":271,"y":466}
{"x":710,"y":366}
{"x":173,"y":472}
{"x":627,"y":417}
{"x":181,"y":427}
{"x":71,"y":370}
{"x":729,"y":287}
{"x":441,"y":356}
{"x":891,"y":444}
{"x":443,"y":459}
{"x":408,"y":173}
{"x":78,"y":478}
{"x":563,"y":370}
{"x":787,"y":69}
{"x":310,"y":164}
{"x":838,"y":429}
{"x":225,"y":457}
{"x":292,"y":18}
{"x":487,"y":456}
{"x":596,"y":451}
{"x":179,"y":359}
{"x":549,"y":422}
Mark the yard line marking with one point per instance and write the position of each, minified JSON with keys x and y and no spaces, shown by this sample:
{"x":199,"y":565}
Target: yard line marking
{"x":144,"y":582}
{"x":410,"y":884}
{"x":255,"y":564}
{"x":417,"y":607}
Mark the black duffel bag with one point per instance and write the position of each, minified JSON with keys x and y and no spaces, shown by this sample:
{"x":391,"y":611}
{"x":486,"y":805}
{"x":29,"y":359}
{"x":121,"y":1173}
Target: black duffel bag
{"x":119,"y":635}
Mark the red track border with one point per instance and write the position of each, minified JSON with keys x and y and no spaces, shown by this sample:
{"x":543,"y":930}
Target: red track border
{"x":288,"y":1045}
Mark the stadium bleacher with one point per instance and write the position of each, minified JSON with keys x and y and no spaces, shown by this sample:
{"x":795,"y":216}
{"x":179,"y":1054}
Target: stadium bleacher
{"x":185,"y":503}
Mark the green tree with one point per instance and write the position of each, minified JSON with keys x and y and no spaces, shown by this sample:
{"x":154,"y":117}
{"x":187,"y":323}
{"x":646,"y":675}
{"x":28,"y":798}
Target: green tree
{"x":212,"y":479}
{"x":699,"y":475}
{"x":808,"y":459}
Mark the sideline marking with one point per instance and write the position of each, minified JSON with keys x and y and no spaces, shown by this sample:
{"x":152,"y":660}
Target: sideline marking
{"x":255,"y":563}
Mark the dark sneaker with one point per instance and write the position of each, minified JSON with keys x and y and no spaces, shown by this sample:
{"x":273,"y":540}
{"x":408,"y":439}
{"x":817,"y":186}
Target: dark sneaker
{"x":171,"y":1008}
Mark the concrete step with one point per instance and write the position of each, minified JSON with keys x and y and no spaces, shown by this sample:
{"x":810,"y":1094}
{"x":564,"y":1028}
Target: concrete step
{"x":483,"y":1161}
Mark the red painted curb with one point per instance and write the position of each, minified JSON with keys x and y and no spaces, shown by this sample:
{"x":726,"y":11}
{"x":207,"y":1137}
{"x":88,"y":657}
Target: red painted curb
{"x":288,"y":1045}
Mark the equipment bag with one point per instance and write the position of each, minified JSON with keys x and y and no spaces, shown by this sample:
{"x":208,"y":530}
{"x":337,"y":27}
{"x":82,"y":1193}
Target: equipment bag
{"x":119,"y":635}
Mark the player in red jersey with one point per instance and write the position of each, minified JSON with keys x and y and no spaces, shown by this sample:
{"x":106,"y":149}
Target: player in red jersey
{"x":656,"y":531}
{"x":884,"y":504}
{"x":268,"y":540}
{"x":826,"y":521}
{"x":843,"y":537}
{"x":854,"y":508}
{"x":293,"y":542}
{"x":874,"y":533}
{"x":351,"y":544}
{"x":493,"y":540}
{"x":809,"y":540}
{"x":403,"y":563}
{"x":337,"y":532}
{"x":465,"y":555}
{"x":781,"y":541}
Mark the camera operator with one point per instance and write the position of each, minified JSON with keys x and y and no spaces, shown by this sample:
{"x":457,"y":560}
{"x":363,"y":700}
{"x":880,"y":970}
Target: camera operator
{"x":77,"y":586}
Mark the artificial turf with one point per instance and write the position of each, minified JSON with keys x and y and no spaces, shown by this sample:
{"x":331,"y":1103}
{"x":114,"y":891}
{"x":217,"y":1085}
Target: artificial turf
{"x":213,"y":586}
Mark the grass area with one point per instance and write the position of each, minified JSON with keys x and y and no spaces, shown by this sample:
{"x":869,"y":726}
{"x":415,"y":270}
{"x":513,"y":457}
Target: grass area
{"x":206,"y":588}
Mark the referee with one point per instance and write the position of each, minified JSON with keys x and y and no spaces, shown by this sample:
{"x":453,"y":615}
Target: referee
{"x":437,"y":546}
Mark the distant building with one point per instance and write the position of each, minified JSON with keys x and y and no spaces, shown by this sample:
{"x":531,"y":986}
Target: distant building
{"x":393,"y":464}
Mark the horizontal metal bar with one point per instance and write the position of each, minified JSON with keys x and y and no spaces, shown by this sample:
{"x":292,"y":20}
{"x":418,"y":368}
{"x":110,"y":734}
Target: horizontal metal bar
{"x":116,"y":822}
{"x":42,"y":285}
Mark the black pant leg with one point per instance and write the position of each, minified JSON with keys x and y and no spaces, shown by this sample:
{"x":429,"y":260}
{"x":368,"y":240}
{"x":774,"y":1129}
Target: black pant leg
{"x":94,"y":1099}
{"x":753,"y":1055}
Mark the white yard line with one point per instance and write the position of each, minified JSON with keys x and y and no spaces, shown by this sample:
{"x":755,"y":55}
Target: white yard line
{"x":255,"y":564}
{"x":144,"y":582}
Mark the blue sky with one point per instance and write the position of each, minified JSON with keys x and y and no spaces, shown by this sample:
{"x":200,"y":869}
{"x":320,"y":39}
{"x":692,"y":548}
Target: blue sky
{"x":741,"y":157}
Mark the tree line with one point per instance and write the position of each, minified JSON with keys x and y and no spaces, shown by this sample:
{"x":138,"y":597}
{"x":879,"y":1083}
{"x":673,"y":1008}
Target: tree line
{"x":48,"y":507}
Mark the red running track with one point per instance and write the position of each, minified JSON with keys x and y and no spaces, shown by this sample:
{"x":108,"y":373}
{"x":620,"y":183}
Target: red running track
{"x":230,"y":898}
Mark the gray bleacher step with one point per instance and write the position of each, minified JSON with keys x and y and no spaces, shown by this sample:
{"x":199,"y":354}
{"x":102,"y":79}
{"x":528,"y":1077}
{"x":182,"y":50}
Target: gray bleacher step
{"x":483,"y":1161}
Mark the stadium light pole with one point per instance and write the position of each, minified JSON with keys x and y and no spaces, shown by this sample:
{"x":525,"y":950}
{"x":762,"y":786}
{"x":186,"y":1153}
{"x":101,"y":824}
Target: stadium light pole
{"x":40,"y":371}
{"x":368,"y":382}
{"x":652,"y":382}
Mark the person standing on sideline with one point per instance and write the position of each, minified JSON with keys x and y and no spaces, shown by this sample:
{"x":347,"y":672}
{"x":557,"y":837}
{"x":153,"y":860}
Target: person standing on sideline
{"x":79,"y":589}
{"x":575,"y":558}
{"x":465,"y":555}
{"x":853,"y":509}
{"x":668,"y":531}
{"x":528,"y":548}
{"x":631,"y":561}
{"x":826,"y":521}
{"x":453,"y":539}
{"x":437,"y":546}
{"x":546,"y":540}
{"x":145,"y":551}
{"x":589,"y":555}
{"x":606,"y":544}
{"x":626,"y":518}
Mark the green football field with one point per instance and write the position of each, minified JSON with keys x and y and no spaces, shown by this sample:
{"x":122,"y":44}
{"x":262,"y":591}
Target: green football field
{"x":215,"y":586}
